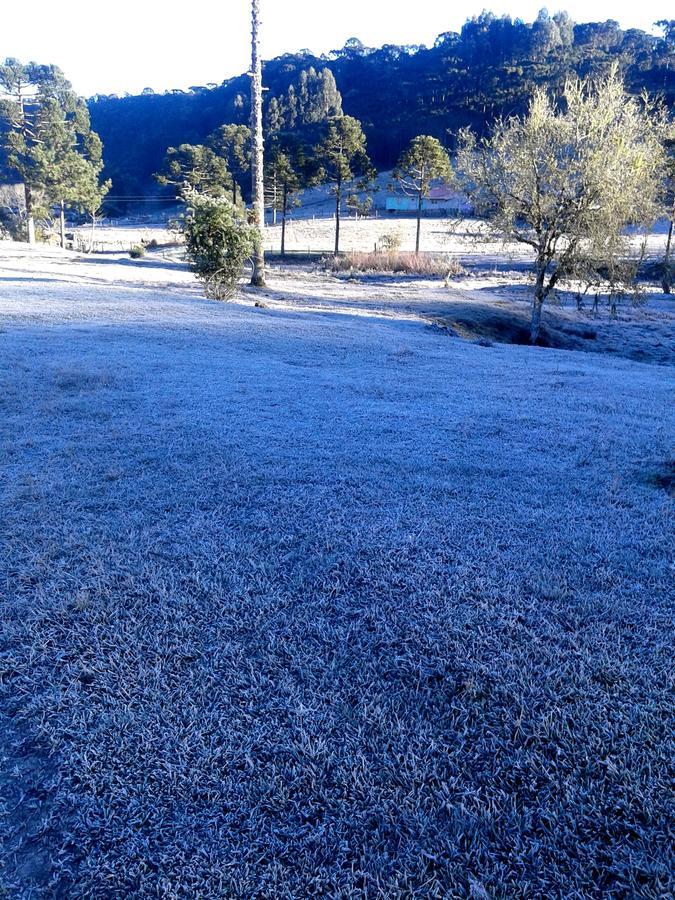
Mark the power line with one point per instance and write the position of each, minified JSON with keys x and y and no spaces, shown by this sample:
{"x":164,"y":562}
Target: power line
{"x":141,"y":199}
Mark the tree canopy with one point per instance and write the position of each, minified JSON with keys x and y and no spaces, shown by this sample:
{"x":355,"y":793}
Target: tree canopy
{"x":233,"y":144}
{"x":47,"y":140}
{"x":343,"y":158}
{"x":567,"y":179}
{"x":424,"y":161}
{"x":196,"y":167}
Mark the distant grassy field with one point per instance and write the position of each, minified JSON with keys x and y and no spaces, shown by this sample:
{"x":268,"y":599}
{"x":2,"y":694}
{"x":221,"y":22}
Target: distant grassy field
{"x":320,"y":600}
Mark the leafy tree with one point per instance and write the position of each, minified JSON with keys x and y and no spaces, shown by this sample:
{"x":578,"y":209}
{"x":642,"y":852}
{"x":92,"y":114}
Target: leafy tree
{"x":233,"y":144}
{"x":343,"y":158}
{"x":25,"y":106}
{"x":283,"y":181}
{"x":218,"y":242}
{"x":88,"y":192}
{"x":274,"y":119}
{"x":290,"y":108}
{"x":668,"y":28}
{"x":565,"y":29}
{"x":358,"y":204}
{"x":423,"y":162}
{"x":566,"y":182}
{"x":545,"y":35}
{"x":198,"y":167}
{"x":73,"y":174}
{"x":47,"y":138}
{"x":10,"y":211}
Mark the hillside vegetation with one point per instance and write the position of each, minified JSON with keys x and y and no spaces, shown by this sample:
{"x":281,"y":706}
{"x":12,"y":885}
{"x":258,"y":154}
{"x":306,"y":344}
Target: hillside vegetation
{"x":488,"y":69}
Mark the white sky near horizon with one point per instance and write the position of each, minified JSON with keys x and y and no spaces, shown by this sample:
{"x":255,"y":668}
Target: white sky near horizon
{"x":127,"y":46}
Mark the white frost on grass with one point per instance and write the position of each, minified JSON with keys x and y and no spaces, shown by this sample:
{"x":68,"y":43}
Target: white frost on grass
{"x":314,"y":603}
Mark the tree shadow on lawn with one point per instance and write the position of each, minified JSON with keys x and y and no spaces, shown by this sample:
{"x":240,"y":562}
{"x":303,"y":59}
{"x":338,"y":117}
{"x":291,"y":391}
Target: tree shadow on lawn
{"x":146,"y":263}
{"x":501,"y":314}
{"x":33,"y":280}
{"x":481,"y":322}
{"x":464,"y":314}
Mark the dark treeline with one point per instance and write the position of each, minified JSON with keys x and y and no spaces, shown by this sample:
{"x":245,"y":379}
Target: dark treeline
{"x":488,"y":69}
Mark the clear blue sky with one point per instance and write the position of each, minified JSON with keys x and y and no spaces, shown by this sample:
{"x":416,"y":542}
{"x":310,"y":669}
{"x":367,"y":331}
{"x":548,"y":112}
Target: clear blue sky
{"x":145,"y":43}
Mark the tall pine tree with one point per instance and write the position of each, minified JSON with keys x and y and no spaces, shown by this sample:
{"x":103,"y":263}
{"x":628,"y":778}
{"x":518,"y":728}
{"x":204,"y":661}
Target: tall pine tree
{"x":48,"y":141}
{"x":422,"y":163}
{"x":344,"y":159}
{"x":233,"y":144}
{"x":283,"y":183}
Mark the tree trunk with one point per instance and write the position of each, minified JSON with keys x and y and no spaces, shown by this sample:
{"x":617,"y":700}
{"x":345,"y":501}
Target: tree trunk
{"x":283,"y":221}
{"x":257,"y":163}
{"x":62,"y":223}
{"x":91,"y":234}
{"x":234,"y":191}
{"x":275,"y":202}
{"x":535,"y":323}
{"x":28,"y":195}
{"x":537,"y":303}
{"x":30,"y":220}
{"x":419,"y":223}
{"x":338,"y":203}
{"x":667,"y":280}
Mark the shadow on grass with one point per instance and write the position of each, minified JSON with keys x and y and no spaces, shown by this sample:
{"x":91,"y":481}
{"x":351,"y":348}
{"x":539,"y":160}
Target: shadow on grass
{"x":146,"y":262}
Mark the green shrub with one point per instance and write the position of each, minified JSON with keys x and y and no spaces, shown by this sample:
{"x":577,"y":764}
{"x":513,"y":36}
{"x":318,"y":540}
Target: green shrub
{"x":137,"y":251}
{"x":389,"y":243}
{"x":218,"y":243}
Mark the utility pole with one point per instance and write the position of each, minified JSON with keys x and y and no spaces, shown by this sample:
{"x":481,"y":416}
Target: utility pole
{"x":257,"y":162}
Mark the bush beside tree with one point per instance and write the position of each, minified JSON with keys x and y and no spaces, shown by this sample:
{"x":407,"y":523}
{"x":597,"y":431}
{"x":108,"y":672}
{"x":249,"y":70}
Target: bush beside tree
{"x":218,"y":242}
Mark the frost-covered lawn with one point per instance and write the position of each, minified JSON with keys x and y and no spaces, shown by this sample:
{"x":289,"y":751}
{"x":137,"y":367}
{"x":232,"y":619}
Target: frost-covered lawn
{"x":299,"y":603}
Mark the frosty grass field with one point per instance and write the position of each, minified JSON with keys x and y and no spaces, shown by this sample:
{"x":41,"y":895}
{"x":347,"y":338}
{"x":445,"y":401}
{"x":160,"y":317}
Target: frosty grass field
{"x":326,"y":599}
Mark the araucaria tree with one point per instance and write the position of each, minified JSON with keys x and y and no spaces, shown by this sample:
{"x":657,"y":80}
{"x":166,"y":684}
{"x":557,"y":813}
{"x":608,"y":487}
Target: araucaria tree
{"x":258,"y":152}
{"x":568,"y":180}
{"x":48,"y":140}
{"x":74,"y":176}
{"x":197,"y":167}
{"x":423,"y":162}
{"x":233,"y":144}
{"x":283,"y":183}
{"x":87,"y":190}
{"x":343,"y":159}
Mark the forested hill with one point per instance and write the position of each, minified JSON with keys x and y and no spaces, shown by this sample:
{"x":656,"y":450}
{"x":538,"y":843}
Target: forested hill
{"x":466,"y":78}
